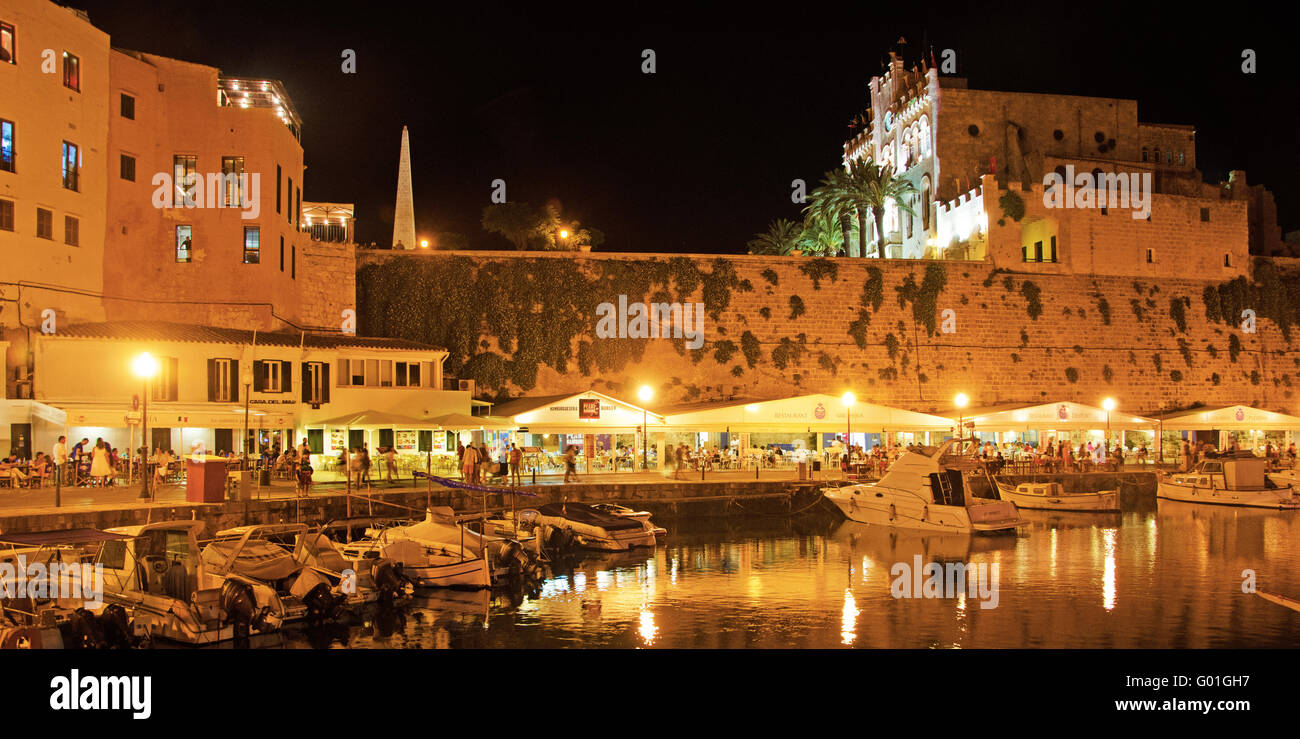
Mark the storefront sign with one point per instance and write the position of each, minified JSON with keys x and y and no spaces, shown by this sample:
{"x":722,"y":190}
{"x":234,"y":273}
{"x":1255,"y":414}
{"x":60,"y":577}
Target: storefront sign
{"x":589,"y":408}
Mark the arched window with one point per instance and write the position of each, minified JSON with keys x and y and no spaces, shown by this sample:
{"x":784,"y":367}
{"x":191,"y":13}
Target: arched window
{"x":925,"y":203}
{"x":923,"y":135}
{"x":1181,"y":160}
{"x":908,"y":216}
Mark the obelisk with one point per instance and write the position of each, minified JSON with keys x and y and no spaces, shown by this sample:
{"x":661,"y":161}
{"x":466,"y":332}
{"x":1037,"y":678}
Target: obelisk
{"x":404,"y":213}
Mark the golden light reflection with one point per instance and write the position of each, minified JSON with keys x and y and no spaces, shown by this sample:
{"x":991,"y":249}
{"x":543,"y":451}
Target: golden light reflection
{"x":1052,"y":564}
{"x":1108,"y":575}
{"x":648,"y":628}
{"x":848,"y":619}
{"x":866,"y":565}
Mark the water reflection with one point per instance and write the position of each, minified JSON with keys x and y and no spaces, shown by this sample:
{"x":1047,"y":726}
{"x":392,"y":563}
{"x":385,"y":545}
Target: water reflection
{"x":1168,"y":577}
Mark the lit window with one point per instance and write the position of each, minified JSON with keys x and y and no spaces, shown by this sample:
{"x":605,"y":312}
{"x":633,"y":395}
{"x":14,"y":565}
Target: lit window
{"x":232,"y":169}
{"x":7,"y":52}
{"x":252,"y":244}
{"x":71,"y":72}
{"x":183,"y":235}
{"x":185,"y":180}
{"x":71,"y":166}
{"x":6,"y":145}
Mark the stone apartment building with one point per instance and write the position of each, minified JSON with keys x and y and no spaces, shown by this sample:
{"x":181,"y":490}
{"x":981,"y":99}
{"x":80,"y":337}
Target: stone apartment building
{"x":947,"y":139}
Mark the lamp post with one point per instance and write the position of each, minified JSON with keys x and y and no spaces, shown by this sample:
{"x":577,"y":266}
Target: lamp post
{"x":848,"y":398}
{"x":645,"y":394}
{"x":145,"y":367}
{"x":1109,"y":405}
{"x":247,"y":381}
{"x":961,"y":401}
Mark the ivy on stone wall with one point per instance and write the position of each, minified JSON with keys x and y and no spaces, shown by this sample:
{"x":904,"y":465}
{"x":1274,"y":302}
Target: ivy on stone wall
{"x":873,"y":290}
{"x":1103,"y":308}
{"x":1013,"y":206}
{"x":769,"y":274}
{"x":1107,"y":374}
{"x":819,"y":269}
{"x":796,"y":307}
{"x":750,"y":347}
{"x":891,"y":345}
{"x":1185,"y":350}
{"x":1031,"y":292}
{"x":924,"y":297}
{"x":1234,"y":347}
{"x":724,"y":350}
{"x":1274,"y":293}
{"x":1071,"y":374}
{"x":1178,"y":312}
{"x":858,"y":328}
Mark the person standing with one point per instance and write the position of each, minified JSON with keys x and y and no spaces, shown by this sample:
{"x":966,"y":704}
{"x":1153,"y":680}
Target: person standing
{"x":365,"y":465}
{"x":354,"y":466}
{"x":60,"y":458}
{"x":100,"y":469}
{"x":516,"y":463}
{"x":570,"y":463}
{"x":469,"y":463}
{"x":678,"y":460}
{"x":390,"y":461}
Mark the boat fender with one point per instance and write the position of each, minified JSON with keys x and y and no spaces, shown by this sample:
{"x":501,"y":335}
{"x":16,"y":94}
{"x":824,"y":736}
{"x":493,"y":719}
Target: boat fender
{"x":925,"y":513}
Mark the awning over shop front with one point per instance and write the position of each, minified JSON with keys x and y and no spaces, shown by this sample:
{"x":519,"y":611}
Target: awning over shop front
{"x":462,"y":422}
{"x":377,"y":419}
{"x":817,"y":413}
{"x":1061,"y":416}
{"x":1229,"y":418}
{"x":174,"y":415}
{"x":584,"y":413}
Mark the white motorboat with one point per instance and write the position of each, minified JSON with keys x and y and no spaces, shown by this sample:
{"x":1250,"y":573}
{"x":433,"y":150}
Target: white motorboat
{"x":1231,"y":479}
{"x":926,"y":490}
{"x":591,"y":528}
{"x":289,"y":589}
{"x":1051,"y":496}
{"x":436,"y":552}
{"x":642,"y":516}
{"x":1281,"y":600}
{"x":157,"y":573}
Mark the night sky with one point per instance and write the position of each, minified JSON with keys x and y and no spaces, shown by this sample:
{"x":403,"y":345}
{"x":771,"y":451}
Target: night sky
{"x":699,"y":156}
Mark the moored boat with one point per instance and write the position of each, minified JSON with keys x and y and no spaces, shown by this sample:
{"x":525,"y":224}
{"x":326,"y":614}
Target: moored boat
{"x":642,"y":516}
{"x":1051,"y":496}
{"x":591,"y":528}
{"x":1230,"y":479}
{"x":926,"y":490}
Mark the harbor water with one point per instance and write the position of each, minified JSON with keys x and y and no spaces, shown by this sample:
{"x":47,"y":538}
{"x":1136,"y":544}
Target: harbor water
{"x":1168,"y":575}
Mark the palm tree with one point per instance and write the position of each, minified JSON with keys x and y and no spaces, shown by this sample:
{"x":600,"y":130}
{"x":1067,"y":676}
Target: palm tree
{"x":832,"y":202}
{"x":872,"y":187}
{"x":820,"y":235}
{"x":518,"y":222}
{"x":781,"y":238}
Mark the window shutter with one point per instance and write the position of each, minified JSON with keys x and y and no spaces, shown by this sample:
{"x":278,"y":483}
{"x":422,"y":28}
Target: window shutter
{"x":325,"y":382}
{"x":212,"y":380}
{"x":172,"y":380}
{"x":344,"y":375}
{"x":234,"y":380}
{"x":286,"y":377}
{"x":306,"y":382}
{"x":258,"y":375}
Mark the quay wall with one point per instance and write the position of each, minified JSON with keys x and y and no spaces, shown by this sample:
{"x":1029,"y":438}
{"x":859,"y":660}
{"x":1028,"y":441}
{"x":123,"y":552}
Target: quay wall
{"x":904,"y":333}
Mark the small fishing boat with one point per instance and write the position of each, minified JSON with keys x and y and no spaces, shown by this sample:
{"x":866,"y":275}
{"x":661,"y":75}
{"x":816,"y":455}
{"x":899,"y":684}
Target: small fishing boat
{"x":1238,"y":479}
{"x":1051,"y":496}
{"x":1281,"y":600}
{"x":434,"y":553}
{"x":925,"y":489}
{"x":592,"y":528}
{"x":643,"y":516}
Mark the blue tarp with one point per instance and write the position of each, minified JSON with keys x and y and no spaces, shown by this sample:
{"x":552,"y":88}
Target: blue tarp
{"x":476,"y":488}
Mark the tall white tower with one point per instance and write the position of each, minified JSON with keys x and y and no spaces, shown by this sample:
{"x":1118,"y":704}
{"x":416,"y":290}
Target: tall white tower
{"x":404,"y":214}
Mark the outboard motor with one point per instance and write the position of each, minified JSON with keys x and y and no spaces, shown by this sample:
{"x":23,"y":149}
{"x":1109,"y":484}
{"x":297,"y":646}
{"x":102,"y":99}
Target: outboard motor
{"x":115,"y":628}
{"x":82,"y":631}
{"x":322,"y":605}
{"x":390,"y":581}
{"x":240,"y":607}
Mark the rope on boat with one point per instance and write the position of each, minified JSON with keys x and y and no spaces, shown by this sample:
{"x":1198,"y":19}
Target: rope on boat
{"x":816,"y":502}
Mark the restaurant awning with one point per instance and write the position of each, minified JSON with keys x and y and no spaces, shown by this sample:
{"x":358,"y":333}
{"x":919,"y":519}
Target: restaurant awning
{"x":175,"y":415}
{"x":462,"y":422}
{"x":1060,"y":416}
{"x":817,"y":412}
{"x":377,"y":419}
{"x":1229,"y":417}
{"x":582,"y":413}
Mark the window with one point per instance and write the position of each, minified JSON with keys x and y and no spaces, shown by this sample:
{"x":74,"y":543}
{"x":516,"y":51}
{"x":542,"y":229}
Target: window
{"x":7,"y":150}
{"x":71,"y":166}
{"x":385,"y":374}
{"x":281,"y":253}
{"x":1053,"y":249}
{"x":1038,"y":251}
{"x":223,"y":380}
{"x":277,"y":188}
{"x":71,"y":231}
{"x":231,"y":170}
{"x":7,"y":51}
{"x":252,"y":244}
{"x":183,"y":234}
{"x":316,"y":382}
{"x":407,"y":374}
{"x":1205,"y":215}
{"x":372,"y":373}
{"x":1145,"y":154}
{"x":354,"y":370}
{"x":44,"y":224}
{"x":1151,"y":256}
{"x":6,"y":215}
{"x":185,"y":179}
{"x":293,"y":262}
{"x":1227,"y":260}
{"x":126,"y":168}
{"x":270,"y":377}
{"x":297,"y":207}
{"x":128,"y":106}
{"x":164,"y":385}
{"x":289,"y":196}
{"x":71,"y":72}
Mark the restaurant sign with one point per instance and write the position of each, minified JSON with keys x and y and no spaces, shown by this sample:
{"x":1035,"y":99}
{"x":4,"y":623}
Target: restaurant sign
{"x":589,"y":408}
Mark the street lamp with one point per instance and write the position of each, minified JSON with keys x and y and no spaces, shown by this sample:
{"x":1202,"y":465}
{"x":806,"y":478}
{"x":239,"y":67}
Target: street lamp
{"x":848,"y":398}
{"x":644,"y":394}
{"x":145,"y":367}
{"x":1109,"y":405}
{"x":564,"y":233}
{"x":961,"y":401}
{"x":424,"y":243}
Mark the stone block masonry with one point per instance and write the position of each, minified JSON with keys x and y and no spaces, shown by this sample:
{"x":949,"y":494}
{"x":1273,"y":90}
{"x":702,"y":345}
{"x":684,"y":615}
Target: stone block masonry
{"x":1016,"y":336}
